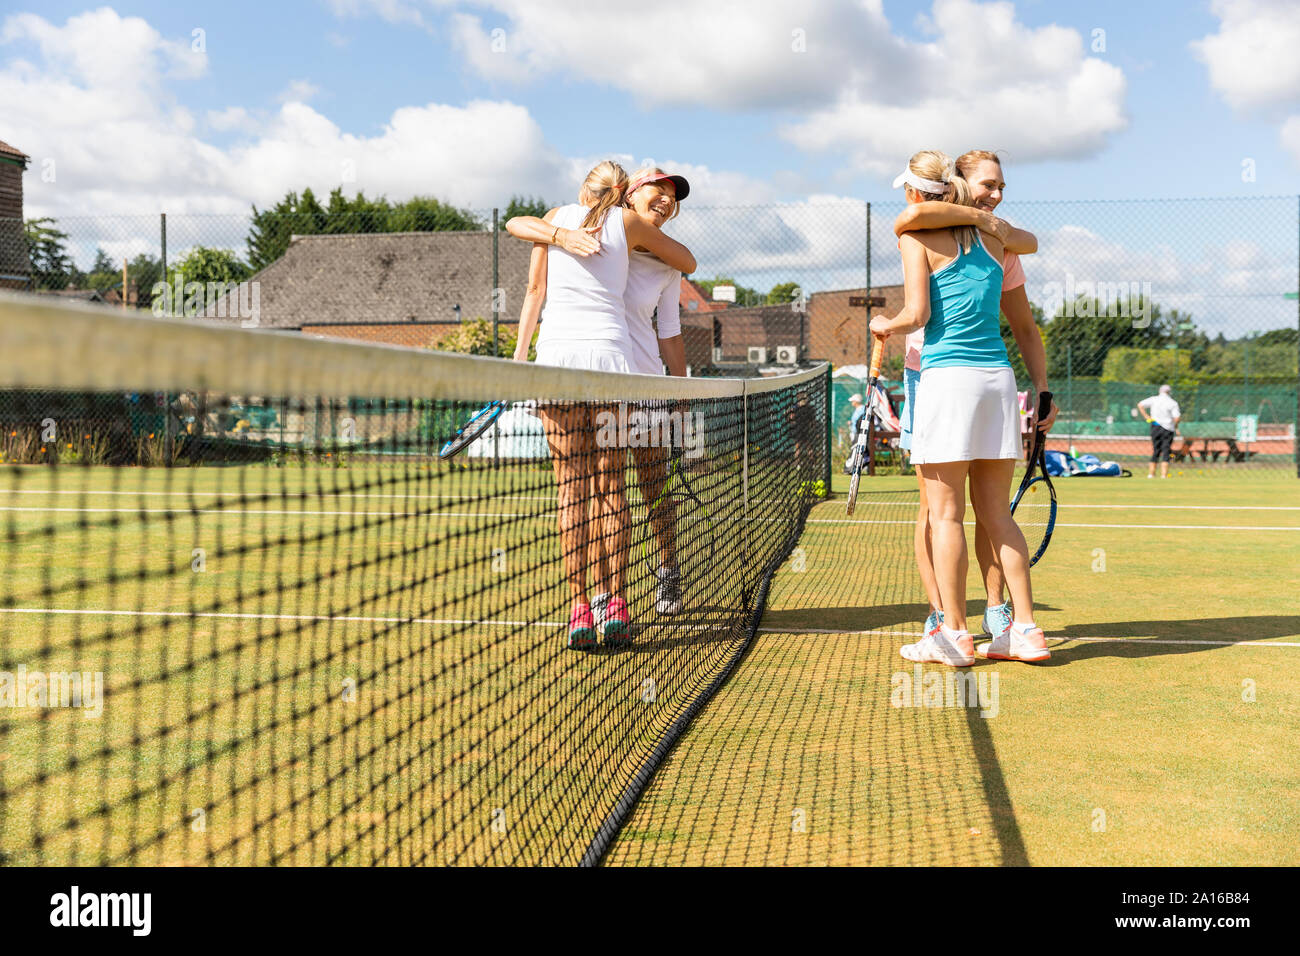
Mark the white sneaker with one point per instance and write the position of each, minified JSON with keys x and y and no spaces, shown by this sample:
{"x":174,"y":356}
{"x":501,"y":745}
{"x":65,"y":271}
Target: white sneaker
{"x":942,"y":646}
{"x":1014,"y":645}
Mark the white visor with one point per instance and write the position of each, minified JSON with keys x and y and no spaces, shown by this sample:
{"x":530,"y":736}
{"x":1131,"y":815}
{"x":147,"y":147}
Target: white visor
{"x":930,"y":186}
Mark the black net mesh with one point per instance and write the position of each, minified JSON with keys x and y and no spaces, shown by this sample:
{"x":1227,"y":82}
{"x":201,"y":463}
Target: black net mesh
{"x":262,"y":628}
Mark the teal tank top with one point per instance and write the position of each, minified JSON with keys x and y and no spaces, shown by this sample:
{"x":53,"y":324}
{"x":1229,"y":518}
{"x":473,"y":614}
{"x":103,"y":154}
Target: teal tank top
{"x":965,"y":301}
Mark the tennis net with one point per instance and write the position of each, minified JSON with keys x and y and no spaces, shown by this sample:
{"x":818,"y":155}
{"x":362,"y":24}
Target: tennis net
{"x":250,"y":616}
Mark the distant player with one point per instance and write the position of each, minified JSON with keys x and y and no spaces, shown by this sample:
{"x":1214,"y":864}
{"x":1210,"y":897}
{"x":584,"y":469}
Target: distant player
{"x":1164,"y":415}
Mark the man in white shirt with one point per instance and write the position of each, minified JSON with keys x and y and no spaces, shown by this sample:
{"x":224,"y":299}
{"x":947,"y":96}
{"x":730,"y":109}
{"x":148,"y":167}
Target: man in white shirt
{"x":1164,"y":414}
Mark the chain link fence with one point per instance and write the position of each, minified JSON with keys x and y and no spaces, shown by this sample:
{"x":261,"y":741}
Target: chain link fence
{"x":1130,"y":295}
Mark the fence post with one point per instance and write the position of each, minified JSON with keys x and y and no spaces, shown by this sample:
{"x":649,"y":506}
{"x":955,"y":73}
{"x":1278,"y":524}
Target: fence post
{"x":826,"y":476}
{"x":496,"y":282}
{"x":866,"y":338}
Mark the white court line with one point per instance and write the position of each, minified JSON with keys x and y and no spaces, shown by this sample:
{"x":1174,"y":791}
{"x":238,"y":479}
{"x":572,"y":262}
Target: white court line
{"x":1059,"y":640}
{"x":242,"y":615}
{"x":271,"y":511}
{"x":1136,"y":506}
{"x":1062,"y":524}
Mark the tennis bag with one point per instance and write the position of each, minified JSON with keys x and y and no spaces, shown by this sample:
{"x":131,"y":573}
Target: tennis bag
{"x":1061,"y":465}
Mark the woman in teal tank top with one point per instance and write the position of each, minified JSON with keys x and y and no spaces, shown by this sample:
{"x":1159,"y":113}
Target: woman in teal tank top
{"x":966,"y":423}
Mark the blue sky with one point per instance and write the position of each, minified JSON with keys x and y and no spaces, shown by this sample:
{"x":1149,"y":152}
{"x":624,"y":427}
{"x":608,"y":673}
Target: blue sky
{"x":757,"y":102}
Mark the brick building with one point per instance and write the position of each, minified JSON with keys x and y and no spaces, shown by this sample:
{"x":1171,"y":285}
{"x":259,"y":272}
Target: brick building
{"x":15,"y":265}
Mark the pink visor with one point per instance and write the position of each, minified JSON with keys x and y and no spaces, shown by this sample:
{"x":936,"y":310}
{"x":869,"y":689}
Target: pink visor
{"x":683,"y":187}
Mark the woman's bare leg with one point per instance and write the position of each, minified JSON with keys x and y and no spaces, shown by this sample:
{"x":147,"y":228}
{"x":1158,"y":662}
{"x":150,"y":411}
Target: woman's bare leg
{"x":991,"y":487}
{"x":611,"y":506}
{"x":924,"y":552}
{"x":569,"y":435}
{"x":945,"y":491}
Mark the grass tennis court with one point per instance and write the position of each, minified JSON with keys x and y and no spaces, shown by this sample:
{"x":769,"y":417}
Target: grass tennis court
{"x":1133,"y":745}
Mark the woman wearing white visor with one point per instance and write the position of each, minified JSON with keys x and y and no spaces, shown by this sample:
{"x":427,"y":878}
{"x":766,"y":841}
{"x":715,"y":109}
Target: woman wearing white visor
{"x":966,"y":422}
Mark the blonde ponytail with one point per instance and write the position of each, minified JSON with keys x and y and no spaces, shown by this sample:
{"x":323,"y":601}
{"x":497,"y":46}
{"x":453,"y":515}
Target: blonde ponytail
{"x":934,"y":165}
{"x":602,"y":190}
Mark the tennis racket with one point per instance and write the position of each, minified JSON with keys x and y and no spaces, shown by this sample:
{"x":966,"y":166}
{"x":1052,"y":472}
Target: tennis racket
{"x":692,"y":525}
{"x":479,"y":422}
{"x":1034,"y":506}
{"x":860,"y":449}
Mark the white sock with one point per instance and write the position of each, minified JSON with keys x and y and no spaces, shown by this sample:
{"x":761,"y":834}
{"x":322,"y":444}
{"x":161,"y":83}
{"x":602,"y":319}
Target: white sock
{"x":1023,"y":629}
{"x":951,"y":634}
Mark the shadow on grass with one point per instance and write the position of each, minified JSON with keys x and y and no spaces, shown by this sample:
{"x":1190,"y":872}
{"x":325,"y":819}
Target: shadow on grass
{"x":1146,"y":634}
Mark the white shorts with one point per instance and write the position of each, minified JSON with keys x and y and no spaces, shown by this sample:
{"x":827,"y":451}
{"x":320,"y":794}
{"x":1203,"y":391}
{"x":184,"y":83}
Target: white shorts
{"x":584,"y":355}
{"x":965,"y":413}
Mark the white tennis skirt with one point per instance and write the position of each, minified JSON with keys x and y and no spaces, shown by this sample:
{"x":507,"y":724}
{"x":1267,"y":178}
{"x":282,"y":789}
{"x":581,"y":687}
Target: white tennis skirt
{"x":583,"y":355}
{"x":965,"y":413}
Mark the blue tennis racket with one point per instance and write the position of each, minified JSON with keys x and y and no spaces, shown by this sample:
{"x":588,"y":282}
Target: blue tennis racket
{"x":479,"y":422}
{"x":1034,"y":506}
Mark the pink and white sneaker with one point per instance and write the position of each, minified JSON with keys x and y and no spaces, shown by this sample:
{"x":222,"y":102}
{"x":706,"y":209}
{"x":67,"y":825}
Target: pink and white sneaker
{"x":617,"y":622}
{"x":942,"y":645}
{"x":582,"y":628}
{"x":1018,"y":643}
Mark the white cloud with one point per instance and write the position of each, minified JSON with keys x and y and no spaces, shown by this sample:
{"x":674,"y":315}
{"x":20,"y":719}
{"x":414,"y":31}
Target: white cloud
{"x":1291,"y":136}
{"x":231,"y":118}
{"x":98,"y":95}
{"x":859,"y":89}
{"x":1252,"y":60}
{"x":298,"y":91}
{"x":391,"y":11}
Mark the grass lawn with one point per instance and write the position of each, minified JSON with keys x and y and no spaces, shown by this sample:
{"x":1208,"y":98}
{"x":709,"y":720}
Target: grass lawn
{"x":1153,"y":736}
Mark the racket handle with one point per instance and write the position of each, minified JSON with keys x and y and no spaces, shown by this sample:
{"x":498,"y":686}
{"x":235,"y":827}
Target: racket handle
{"x":877,"y":353}
{"x":1044,"y":405}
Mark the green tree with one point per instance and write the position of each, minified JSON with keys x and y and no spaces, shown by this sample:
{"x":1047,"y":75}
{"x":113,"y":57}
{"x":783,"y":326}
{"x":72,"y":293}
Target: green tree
{"x":744,"y":296}
{"x":781,"y":293}
{"x":271,"y":229}
{"x":145,"y":271}
{"x":104,"y":274}
{"x":474,"y":337}
{"x":294,"y":215}
{"x":203,"y":266}
{"x":523,"y":206}
{"x":47,"y":250}
{"x":1080,"y":335}
{"x":426,"y":214}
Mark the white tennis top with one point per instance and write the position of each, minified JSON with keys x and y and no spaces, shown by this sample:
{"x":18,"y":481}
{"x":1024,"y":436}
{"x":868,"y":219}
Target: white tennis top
{"x":1163,"y":410}
{"x":584,"y":296}
{"x":651,"y":285}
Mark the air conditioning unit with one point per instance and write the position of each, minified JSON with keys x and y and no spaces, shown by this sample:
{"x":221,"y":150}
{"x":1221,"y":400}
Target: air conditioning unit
{"x":757,"y":355}
{"x":717,"y":355}
{"x":787,"y":355}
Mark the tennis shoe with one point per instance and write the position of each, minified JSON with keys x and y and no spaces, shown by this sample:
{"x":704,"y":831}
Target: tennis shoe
{"x":997,"y":619}
{"x":1016,"y":645}
{"x":617,"y":622}
{"x":668,"y":593}
{"x":934,"y":620}
{"x":942,"y":646}
{"x":582,"y":628}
